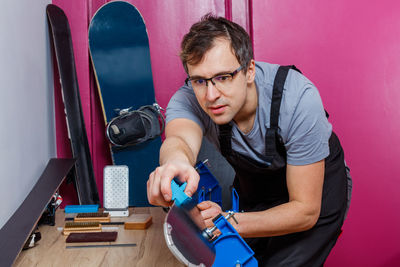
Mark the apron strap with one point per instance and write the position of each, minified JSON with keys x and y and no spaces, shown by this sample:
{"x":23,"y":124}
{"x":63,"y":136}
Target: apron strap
{"x":225,"y":131}
{"x":272,"y":132}
{"x":224,"y":137}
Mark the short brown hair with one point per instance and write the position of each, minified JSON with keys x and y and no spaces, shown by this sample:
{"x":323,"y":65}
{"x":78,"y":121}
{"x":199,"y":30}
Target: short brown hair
{"x":202,"y":34}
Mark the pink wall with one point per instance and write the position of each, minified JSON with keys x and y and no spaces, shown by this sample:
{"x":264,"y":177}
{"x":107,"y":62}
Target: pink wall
{"x":351,"y":51}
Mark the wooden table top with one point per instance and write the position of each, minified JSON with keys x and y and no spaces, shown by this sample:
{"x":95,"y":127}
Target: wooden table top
{"x":150,"y":249}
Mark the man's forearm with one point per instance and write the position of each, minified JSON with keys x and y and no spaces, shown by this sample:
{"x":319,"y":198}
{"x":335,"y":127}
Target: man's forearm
{"x":174,"y":148}
{"x":287,"y":218}
{"x":305,"y":185}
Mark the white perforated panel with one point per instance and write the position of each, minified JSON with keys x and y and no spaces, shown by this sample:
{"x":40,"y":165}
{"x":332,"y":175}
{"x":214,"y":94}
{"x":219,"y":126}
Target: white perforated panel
{"x":116,"y":179}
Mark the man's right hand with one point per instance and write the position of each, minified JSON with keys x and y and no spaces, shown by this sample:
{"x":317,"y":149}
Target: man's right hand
{"x":178,"y":154}
{"x":159,"y":184}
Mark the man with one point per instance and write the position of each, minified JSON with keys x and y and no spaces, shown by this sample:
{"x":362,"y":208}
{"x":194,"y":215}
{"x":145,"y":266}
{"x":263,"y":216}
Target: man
{"x":270,"y":124}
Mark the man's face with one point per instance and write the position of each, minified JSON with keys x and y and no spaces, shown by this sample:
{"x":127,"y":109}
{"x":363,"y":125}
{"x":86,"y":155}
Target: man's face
{"x":221,"y":103}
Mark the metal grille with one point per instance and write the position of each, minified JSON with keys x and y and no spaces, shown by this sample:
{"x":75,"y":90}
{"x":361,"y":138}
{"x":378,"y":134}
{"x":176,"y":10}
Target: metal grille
{"x":116,"y":179}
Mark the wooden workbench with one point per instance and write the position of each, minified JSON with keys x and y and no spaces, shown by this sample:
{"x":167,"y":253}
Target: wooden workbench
{"x":150,"y":249}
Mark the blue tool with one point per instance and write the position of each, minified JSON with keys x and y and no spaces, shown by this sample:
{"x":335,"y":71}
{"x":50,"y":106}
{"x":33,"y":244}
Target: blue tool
{"x":178,"y":194}
{"x":230,"y":248}
{"x":208,"y":187}
{"x":81,"y":208}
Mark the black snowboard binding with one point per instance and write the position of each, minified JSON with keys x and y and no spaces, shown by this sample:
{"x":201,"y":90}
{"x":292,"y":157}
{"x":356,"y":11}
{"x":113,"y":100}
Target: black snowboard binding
{"x":133,"y":127}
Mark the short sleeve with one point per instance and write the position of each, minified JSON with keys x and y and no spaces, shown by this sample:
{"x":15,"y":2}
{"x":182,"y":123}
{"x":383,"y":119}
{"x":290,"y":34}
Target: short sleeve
{"x":309,"y":129}
{"x":183,"y":104}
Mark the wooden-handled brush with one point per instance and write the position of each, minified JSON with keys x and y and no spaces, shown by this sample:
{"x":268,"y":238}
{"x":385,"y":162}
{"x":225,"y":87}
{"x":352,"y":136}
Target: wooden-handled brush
{"x":92,"y":217}
{"x":81,"y":227}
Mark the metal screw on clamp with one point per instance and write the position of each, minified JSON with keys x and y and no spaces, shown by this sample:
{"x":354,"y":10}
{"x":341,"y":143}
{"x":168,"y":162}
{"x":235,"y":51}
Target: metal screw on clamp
{"x":231,"y":214}
{"x":208,"y":233}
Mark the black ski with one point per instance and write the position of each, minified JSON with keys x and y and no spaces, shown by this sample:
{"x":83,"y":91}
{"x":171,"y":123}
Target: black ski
{"x":61,"y":42}
{"x":17,"y":229}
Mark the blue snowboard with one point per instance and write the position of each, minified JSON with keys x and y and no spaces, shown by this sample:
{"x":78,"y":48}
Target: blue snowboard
{"x":120,"y":54}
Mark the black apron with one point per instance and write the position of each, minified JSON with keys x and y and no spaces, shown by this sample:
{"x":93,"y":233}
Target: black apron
{"x":263,"y":186}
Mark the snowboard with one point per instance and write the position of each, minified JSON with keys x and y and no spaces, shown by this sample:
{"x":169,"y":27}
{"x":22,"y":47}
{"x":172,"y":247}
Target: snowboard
{"x":120,"y":55}
{"x":61,"y":44}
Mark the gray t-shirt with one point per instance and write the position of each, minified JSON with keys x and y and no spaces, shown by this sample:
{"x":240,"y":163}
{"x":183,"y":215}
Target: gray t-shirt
{"x":303,"y":125}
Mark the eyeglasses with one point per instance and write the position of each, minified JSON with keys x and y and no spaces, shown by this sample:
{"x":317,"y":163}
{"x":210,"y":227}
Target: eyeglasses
{"x":221,"y":81}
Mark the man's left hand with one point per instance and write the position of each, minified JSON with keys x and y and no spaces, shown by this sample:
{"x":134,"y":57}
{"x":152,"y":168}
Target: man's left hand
{"x":209,"y":210}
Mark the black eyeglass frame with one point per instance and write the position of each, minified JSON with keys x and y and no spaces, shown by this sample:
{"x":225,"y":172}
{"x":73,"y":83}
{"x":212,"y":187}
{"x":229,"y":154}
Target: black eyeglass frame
{"x":233,"y":73}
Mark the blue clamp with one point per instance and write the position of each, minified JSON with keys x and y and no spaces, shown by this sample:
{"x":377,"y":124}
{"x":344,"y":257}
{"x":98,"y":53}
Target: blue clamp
{"x":208,"y":187}
{"x":230,"y":248}
{"x":235,"y":200}
{"x":202,"y":196}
